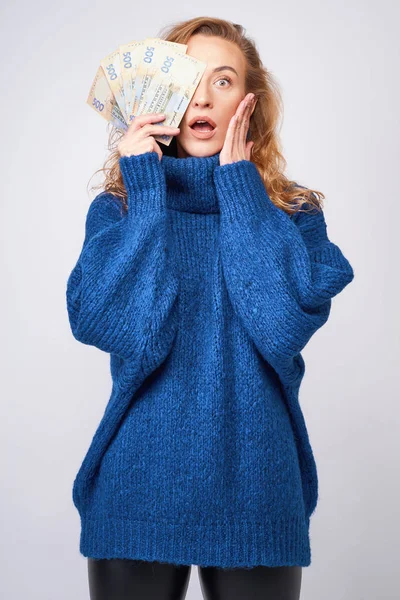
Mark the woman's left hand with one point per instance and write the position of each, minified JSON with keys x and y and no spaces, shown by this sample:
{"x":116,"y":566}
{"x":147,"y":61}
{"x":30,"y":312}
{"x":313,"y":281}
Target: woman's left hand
{"x":235,"y":147}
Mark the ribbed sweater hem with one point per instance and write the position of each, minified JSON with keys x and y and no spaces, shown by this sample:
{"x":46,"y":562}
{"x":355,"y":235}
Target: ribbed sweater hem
{"x":230,"y":544}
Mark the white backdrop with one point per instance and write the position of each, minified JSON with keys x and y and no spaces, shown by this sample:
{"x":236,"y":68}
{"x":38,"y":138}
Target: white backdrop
{"x":338,"y":65}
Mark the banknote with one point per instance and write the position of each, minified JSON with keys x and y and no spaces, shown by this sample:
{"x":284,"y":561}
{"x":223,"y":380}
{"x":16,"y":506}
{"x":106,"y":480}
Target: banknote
{"x":112,"y":69}
{"x":129,"y":58}
{"x":155,"y":56}
{"x":142,"y":77}
{"x":103,"y":101}
{"x":172,"y":89}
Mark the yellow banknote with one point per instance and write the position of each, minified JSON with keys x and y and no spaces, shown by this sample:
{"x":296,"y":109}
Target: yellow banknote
{"x":112,"y":69}
{"x":154,"y":56}
{"x":172,"y":89}
{"x":103,"y":101}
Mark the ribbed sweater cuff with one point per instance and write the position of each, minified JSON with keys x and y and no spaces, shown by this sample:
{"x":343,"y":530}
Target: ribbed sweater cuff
{"x":241,"y":190}
{"x":144,"y":181}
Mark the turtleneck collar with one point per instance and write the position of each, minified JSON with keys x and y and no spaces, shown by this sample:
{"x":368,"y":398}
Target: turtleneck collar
{"x":190,"y":183}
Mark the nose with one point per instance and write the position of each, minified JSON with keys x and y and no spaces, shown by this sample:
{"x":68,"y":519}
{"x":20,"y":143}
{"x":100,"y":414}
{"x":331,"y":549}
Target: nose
{"x":201,"y":97}
{"x":201,"y":101}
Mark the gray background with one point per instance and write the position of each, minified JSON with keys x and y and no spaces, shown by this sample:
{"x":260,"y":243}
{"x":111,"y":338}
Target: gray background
{"x":338,"y":66}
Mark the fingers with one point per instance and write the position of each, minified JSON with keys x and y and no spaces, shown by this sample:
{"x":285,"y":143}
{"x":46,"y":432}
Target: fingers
{"x":149,"y":129}
{"x":139,"y":136}
{"x":245,"y":112}
{"x":141,"y":120}
{"x":237,"y":131}
{"x":249,"y":148}
{"x":241,"y":125}
{"x":147,"y":125}
{"x":230,"y":135}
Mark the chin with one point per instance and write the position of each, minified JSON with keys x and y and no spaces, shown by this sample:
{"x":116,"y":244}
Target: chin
{"x":198,"y":147}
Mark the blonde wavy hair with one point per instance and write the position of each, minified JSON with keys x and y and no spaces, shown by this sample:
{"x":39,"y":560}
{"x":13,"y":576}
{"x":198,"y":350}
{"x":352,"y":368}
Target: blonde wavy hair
{"x":264,"y":123}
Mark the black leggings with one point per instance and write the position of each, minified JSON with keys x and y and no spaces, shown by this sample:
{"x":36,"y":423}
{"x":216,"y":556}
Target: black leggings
{"x":123,"y":579}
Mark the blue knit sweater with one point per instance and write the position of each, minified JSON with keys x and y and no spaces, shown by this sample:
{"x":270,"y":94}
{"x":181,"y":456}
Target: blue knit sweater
{"x":204,"y":293}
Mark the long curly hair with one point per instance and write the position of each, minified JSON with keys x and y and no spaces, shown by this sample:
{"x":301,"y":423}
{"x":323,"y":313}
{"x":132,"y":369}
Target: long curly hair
{"x":264,"y":125}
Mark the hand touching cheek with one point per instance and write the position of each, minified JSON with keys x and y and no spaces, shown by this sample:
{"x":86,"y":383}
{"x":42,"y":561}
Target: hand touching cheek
{"x":235,"y":147}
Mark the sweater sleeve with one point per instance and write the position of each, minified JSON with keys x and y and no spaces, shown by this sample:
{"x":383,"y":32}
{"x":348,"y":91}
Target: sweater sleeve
{"x":281,"y":272}
{"x":123,"y":288}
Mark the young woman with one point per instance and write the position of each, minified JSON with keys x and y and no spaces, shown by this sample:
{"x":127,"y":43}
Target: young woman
{"x":204,"y":273}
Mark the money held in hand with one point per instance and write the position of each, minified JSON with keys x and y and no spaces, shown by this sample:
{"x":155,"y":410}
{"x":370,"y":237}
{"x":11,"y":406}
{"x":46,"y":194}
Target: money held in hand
{"x":142,"y":77}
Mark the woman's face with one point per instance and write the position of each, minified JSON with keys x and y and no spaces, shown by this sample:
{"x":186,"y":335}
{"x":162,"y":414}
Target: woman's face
{"x":217,"y":96}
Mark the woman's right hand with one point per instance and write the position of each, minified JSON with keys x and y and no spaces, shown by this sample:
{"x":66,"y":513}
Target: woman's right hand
{"x":139,"y":139}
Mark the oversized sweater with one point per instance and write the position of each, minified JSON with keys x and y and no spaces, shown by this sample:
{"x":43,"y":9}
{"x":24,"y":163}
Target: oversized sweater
{"x":204,"y":293}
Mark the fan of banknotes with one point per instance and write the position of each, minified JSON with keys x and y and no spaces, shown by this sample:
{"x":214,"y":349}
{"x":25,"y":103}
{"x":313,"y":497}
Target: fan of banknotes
{"x":148,"y":76}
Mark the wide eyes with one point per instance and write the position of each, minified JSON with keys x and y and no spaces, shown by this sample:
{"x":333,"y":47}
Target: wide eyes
{"x":226,"y":78}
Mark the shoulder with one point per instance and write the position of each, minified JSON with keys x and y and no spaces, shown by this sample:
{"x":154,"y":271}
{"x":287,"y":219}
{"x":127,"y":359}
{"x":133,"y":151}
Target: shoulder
{"x":104,"y":210}
{"x":106,"y":205}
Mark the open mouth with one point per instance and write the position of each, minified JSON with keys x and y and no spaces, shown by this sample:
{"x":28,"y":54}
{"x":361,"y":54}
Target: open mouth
{"x":202,"y":126}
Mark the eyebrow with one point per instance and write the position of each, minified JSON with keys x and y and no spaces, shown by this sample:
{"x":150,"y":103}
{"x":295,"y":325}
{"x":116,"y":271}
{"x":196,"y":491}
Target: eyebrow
{"x":225,"y":68}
